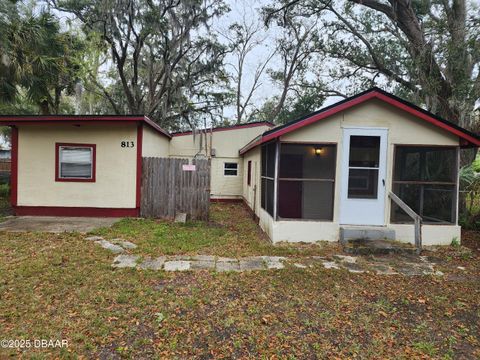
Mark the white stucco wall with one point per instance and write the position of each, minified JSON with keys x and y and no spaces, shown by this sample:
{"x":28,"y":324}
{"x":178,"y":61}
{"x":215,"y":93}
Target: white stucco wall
{"x":226,"y":144}
{"x":431,"y":234}
{"x":154,"y":144}
{"x":403,"y":128}
{"x":115,"y":185}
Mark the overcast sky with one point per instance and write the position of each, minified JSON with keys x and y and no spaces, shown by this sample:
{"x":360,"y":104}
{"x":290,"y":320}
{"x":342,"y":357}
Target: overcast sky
{"x":248,"y":11}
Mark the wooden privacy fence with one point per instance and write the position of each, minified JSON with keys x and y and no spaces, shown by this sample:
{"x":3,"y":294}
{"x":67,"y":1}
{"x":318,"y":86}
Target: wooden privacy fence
{"x":171,"y":186}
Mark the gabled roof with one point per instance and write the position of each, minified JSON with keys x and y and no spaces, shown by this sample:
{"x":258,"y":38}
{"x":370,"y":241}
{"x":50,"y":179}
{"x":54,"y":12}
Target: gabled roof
{"x":13,"y":120}
{"x":468,"y":138}
{"x":226,"y":128}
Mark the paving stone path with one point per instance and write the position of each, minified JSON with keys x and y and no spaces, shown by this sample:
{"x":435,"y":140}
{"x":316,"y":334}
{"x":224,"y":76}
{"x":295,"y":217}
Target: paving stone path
{"x":116,"y":245}
{"x":409,"y":265}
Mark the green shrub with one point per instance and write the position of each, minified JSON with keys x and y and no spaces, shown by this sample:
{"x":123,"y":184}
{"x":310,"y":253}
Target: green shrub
{"x":4,"y":190}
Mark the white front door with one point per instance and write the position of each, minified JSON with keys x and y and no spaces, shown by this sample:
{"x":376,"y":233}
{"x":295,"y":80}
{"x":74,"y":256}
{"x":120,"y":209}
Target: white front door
{"x":364,"y":163}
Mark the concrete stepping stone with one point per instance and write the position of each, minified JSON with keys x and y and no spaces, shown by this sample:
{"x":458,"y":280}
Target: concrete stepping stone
{"x":176,"y":265}
{"x":381,"y":269}
{"x":125,"y":244}
{"x":252,"y":263}
{"x":330,"y":265}
{"x":94,"y":238}
{"x":152,"y":264}
{"x":274,"y":262}
{"x":116,"y":249}
{"x":300,"y":266}
{"x":227,"y":264}
{"x":202,"y":265}
{"x":346,"y":258}
{"x":125,"y":261}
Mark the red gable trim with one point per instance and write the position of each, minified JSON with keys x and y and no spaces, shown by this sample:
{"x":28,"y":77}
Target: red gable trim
{"x":12,"y":120}
{"x":227,"y":128}
{"x":358,"y":100}
{"x":155,"y":126}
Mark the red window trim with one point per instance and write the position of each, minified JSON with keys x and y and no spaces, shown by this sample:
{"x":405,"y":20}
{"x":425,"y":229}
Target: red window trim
{"x":57,"y":160}
{"x":249,"y":173}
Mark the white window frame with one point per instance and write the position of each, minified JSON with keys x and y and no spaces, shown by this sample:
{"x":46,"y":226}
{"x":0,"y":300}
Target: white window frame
{"x":230,"y":169}
{"x":73,"y":178}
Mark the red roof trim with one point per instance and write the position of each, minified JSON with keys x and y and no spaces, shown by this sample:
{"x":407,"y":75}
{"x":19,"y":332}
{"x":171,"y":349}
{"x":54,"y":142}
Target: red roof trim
{"x":155,"y":126}
{"x":42,"y":118}
{"x":11,"y":120}
{"x":355,"y":101}
{"x":227,"y":128}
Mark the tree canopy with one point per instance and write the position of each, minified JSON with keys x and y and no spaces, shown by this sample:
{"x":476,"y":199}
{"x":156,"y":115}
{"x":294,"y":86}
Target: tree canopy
{"x":167,"y":58}
{"x":39,"y":62}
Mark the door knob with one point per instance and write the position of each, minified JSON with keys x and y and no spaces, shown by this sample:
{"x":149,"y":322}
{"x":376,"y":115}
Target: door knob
{"x":383,"y":182}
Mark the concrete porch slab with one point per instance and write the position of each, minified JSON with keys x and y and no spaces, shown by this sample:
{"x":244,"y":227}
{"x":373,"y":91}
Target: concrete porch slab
{"x":55,"y":224}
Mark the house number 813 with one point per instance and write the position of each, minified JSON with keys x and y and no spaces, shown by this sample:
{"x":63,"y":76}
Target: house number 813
{"x":129,"y":144}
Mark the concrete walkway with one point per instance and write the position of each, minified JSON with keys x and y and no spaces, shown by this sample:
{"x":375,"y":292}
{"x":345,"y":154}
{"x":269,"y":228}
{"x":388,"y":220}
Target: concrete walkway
{"x":55,"y":224}
{"x":408,"y":265}
{"x":378,"y":265}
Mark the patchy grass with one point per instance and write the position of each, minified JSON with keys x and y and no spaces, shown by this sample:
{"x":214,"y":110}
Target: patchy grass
{"x":230,"y":232}
{"x":63,"y":287}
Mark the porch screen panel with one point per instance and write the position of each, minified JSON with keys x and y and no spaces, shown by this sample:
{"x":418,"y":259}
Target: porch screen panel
{"x":268,"y":177}
{"x":306,"y":181}
{"x":425,"y":178}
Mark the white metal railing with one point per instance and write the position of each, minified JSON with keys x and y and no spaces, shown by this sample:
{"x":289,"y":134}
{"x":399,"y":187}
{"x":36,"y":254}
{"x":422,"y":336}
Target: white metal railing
{"x":416,"y":218}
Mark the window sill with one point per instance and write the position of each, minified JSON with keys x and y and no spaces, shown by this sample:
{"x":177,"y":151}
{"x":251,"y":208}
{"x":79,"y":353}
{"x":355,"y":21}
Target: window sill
{"x":74,"y":180}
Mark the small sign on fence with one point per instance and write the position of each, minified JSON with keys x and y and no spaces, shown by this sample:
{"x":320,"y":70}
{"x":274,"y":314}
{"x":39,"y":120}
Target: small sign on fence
{"x":189,"y":167}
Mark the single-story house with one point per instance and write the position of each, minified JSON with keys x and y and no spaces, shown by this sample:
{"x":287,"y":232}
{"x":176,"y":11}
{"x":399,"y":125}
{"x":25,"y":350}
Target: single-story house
{"x":80,"y":165}
{"x":335,"y":169}
{"x":304,"y":181}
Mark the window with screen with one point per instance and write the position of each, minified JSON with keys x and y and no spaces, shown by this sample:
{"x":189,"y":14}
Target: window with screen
{"x":230,"y":169}
{"x":306,"y":183}
{"x":249,"y":173}
{"x":75,"y":162}
{"x":425,"y":178}
{"x":363,"y":167}
{"x":268,"y":177}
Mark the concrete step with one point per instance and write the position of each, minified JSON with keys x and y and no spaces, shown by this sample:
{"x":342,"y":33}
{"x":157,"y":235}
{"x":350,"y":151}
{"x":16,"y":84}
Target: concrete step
{"x":348,"y":233}
{"x":377,"y":247}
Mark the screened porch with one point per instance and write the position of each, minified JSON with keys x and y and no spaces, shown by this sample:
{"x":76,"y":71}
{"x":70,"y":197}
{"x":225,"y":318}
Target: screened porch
{"x":298,"y":181}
